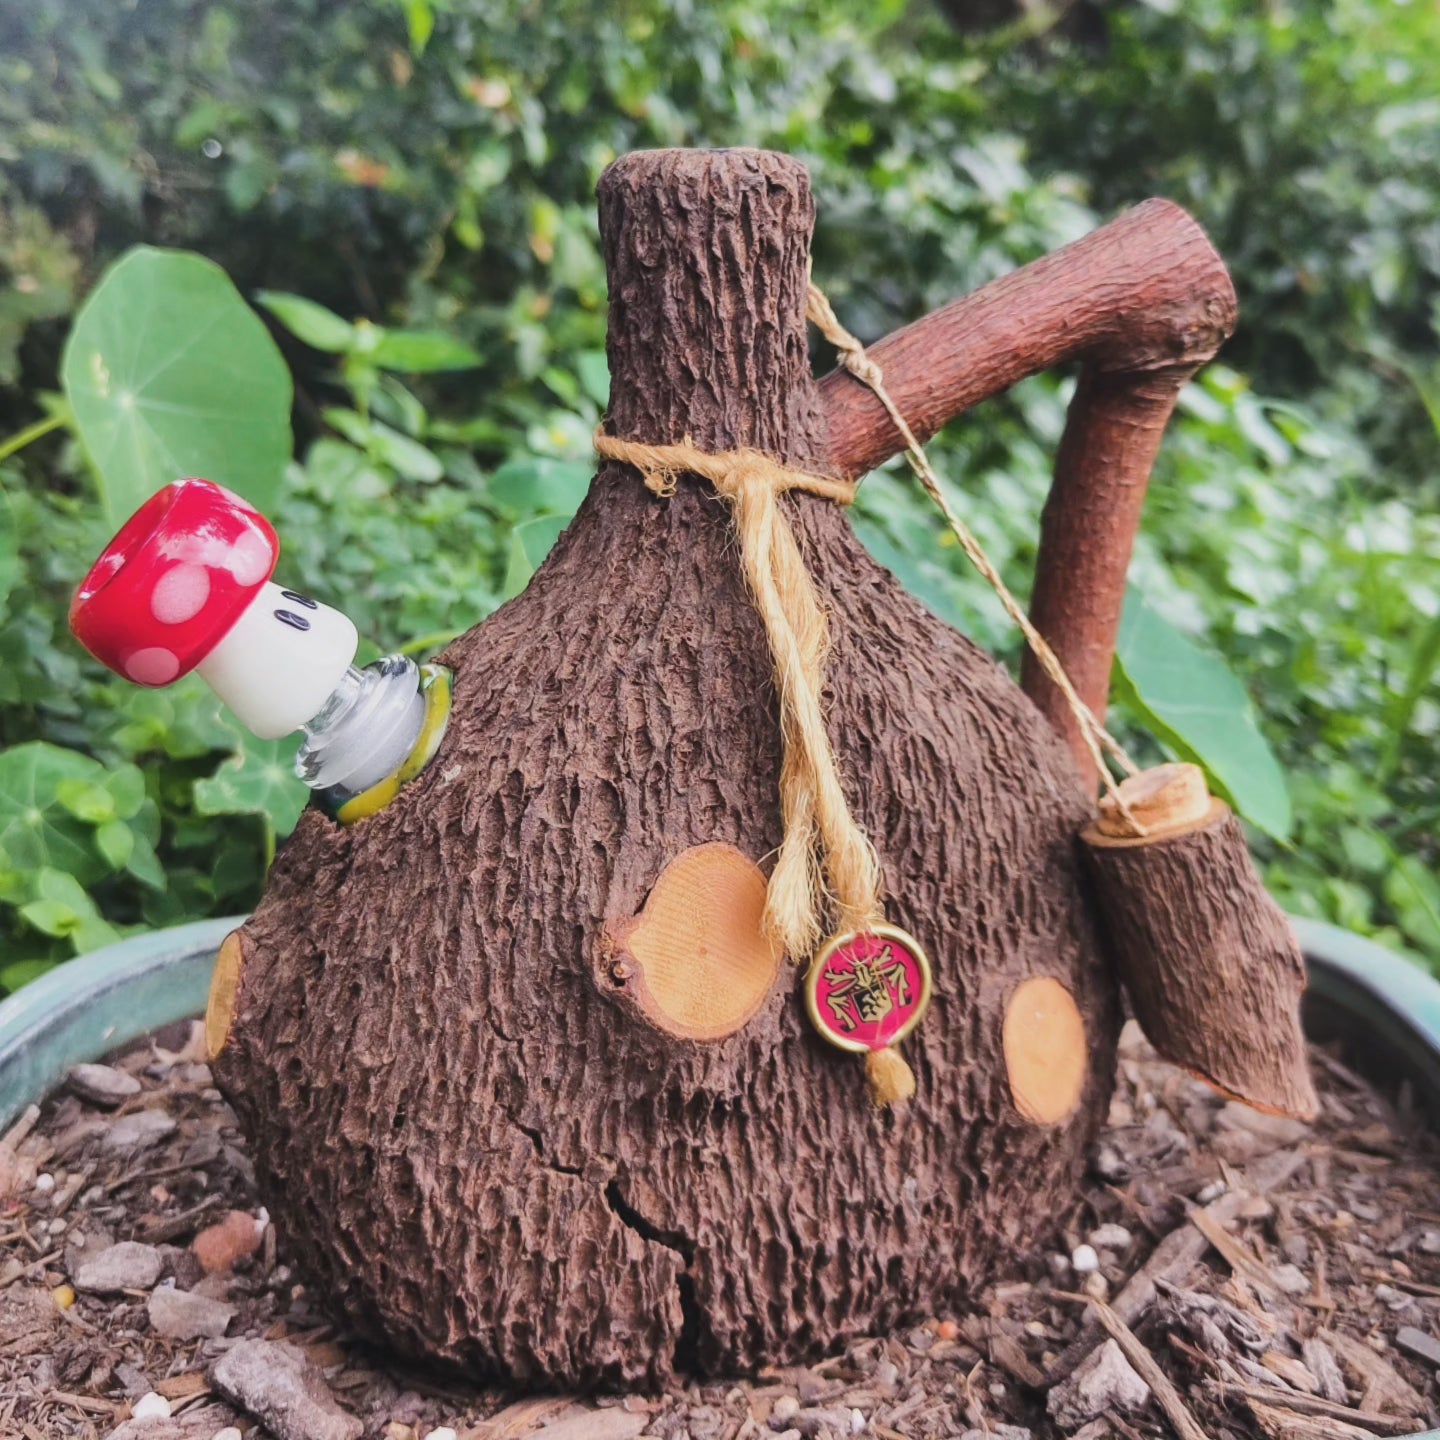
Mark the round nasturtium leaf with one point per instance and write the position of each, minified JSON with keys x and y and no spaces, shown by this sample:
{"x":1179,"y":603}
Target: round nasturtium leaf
{"x":170,"y":373}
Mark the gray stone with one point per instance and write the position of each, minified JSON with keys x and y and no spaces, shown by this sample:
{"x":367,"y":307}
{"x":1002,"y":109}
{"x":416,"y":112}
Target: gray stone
{"x":102,"y":1084}
{"x":133,"y":1132}
{"x":153,"y":1429}
{"x":126,"y":1266}
{"x":1110,"y":1237}
{"x":280,"y":1387}
{"x":784,"y":1410}
{"x":183,"y":1315}
{"x":613,"y":1424}
{"x":1419,"y":1344}
{"x":1104,"y":1382}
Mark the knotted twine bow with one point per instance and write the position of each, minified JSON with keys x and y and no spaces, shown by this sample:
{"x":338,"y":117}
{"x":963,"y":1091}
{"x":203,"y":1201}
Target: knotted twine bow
{"x":824,"y":851}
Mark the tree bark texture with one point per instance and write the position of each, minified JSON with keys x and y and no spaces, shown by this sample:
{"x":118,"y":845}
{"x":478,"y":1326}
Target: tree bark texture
{"x":1209,"y":960}
{"x":485,"y":1156}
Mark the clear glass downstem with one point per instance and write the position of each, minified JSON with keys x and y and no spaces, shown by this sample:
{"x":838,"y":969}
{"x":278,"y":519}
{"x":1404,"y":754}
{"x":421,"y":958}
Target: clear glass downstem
{"x":365,"y":730}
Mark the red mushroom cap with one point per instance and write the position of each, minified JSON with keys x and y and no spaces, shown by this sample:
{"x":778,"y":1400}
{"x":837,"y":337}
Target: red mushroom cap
{"x":171,"y":585}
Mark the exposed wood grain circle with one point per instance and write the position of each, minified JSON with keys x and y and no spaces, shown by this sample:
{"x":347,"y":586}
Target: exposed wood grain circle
{"x":224,"y":987}
{"x":1046,"y":1054}
{"x":1164,"y":799}
{"x":696,"y":961}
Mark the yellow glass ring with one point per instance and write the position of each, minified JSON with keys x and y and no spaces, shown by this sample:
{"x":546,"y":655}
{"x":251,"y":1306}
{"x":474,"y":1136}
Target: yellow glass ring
{"x":435,"y":684}
{"x":868,"y":989}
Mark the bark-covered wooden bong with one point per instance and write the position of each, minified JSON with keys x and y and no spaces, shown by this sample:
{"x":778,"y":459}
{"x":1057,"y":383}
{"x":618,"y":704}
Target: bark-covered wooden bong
{"x":526,"y":1085}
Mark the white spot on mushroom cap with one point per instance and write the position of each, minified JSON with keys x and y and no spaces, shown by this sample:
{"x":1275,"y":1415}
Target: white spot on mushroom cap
{"x":152,"y":666}
{"x":248,"y":559}
{"x":180,"y":594}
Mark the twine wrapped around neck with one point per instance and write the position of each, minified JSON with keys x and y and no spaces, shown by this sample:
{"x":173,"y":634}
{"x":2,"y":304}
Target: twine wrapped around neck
{"x":824,"y":853}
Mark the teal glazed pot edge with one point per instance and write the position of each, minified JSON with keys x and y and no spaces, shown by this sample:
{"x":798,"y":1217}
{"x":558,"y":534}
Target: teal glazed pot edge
{"x":1359,"y":991}
{"x":92,"y":1005}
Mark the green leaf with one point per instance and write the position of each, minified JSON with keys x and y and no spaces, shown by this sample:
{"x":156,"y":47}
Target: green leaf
{"x":170,"y":373}
{"x":22,"y":972}
{"x":115,"y":840}
{"x":418,"y":352}
{"x":530,"y":543}
{"x":86,"y":800}
{"x":319,"y":328}
{"x":1190,"y":700}
{"x":381,"y":442}
{"x":126,"y":785}
{"x":405,"y":456}
{"x":1414,"y":891}
{"x":63,"y":909}
{"x":420,"y":22}
{"x":50,"y":917}
{"x":536,"y":483}
{"x":36,"y":829}
{"x":594,"y":372}
{"x":145,"y":865}
{"x":9,"y":549}
{"x":259,"y":779}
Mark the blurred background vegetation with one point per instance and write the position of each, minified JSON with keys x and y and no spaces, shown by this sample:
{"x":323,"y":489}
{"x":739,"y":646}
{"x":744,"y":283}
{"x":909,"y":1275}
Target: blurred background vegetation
{"x":427,"y":167}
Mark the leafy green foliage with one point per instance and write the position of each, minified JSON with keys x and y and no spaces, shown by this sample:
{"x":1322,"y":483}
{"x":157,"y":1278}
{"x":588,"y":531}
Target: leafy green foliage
{"x":1190,"y":701}
{"x":168,"y":373}
{"x":405,"y":187}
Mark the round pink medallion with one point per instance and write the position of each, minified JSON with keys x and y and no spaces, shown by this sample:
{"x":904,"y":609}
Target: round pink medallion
{"x":868,"y":990}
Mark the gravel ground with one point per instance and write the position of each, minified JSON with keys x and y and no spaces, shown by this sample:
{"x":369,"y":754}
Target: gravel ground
{"x":1228,"y":1274}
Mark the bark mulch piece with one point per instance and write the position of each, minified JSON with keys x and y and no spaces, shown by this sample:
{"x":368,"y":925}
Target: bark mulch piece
{"x":1228,"y":1274}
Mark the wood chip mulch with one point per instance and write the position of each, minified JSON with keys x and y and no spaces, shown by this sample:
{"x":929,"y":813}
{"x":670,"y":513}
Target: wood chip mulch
{"x":1229,"y":1275}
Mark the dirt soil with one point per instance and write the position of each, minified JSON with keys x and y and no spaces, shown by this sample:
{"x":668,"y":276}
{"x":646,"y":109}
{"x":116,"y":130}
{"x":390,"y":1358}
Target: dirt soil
{"x":1259,"y":1277}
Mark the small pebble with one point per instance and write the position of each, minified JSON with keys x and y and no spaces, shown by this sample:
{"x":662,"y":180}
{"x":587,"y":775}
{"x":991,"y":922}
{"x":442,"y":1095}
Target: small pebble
{"x":150,"y":1407}
{"x":1084,"y":1260}
{"x":442,"y":1432}
{"x":1109,"y":1164}
{"x":784,"y":1410}
{"x":1110,"y":1237}
{"x":143,"y":1127}
{"x":126,"y":1266}
{"x":1419,"y":1344}
{"x":1430,"y":1242}
{"x":219,"y":1246}
{"x":102,"y":1084}
{"x":1213,"y":1191}
{"x":184,"y":1315}
{"x":44,"y":1184}
{"x":230,"y":1432}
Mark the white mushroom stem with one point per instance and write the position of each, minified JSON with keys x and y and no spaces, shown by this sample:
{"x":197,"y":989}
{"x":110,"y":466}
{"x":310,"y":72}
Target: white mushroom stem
{"x":281,"y":661}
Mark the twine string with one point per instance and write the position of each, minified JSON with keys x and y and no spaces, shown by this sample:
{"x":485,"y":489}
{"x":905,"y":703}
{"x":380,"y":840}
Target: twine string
{"x":1097,"y":739}
{"x":824,"y":852}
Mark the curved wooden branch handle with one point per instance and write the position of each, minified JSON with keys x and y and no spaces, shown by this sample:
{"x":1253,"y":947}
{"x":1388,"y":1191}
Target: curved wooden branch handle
{"x":1141,"y":303}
